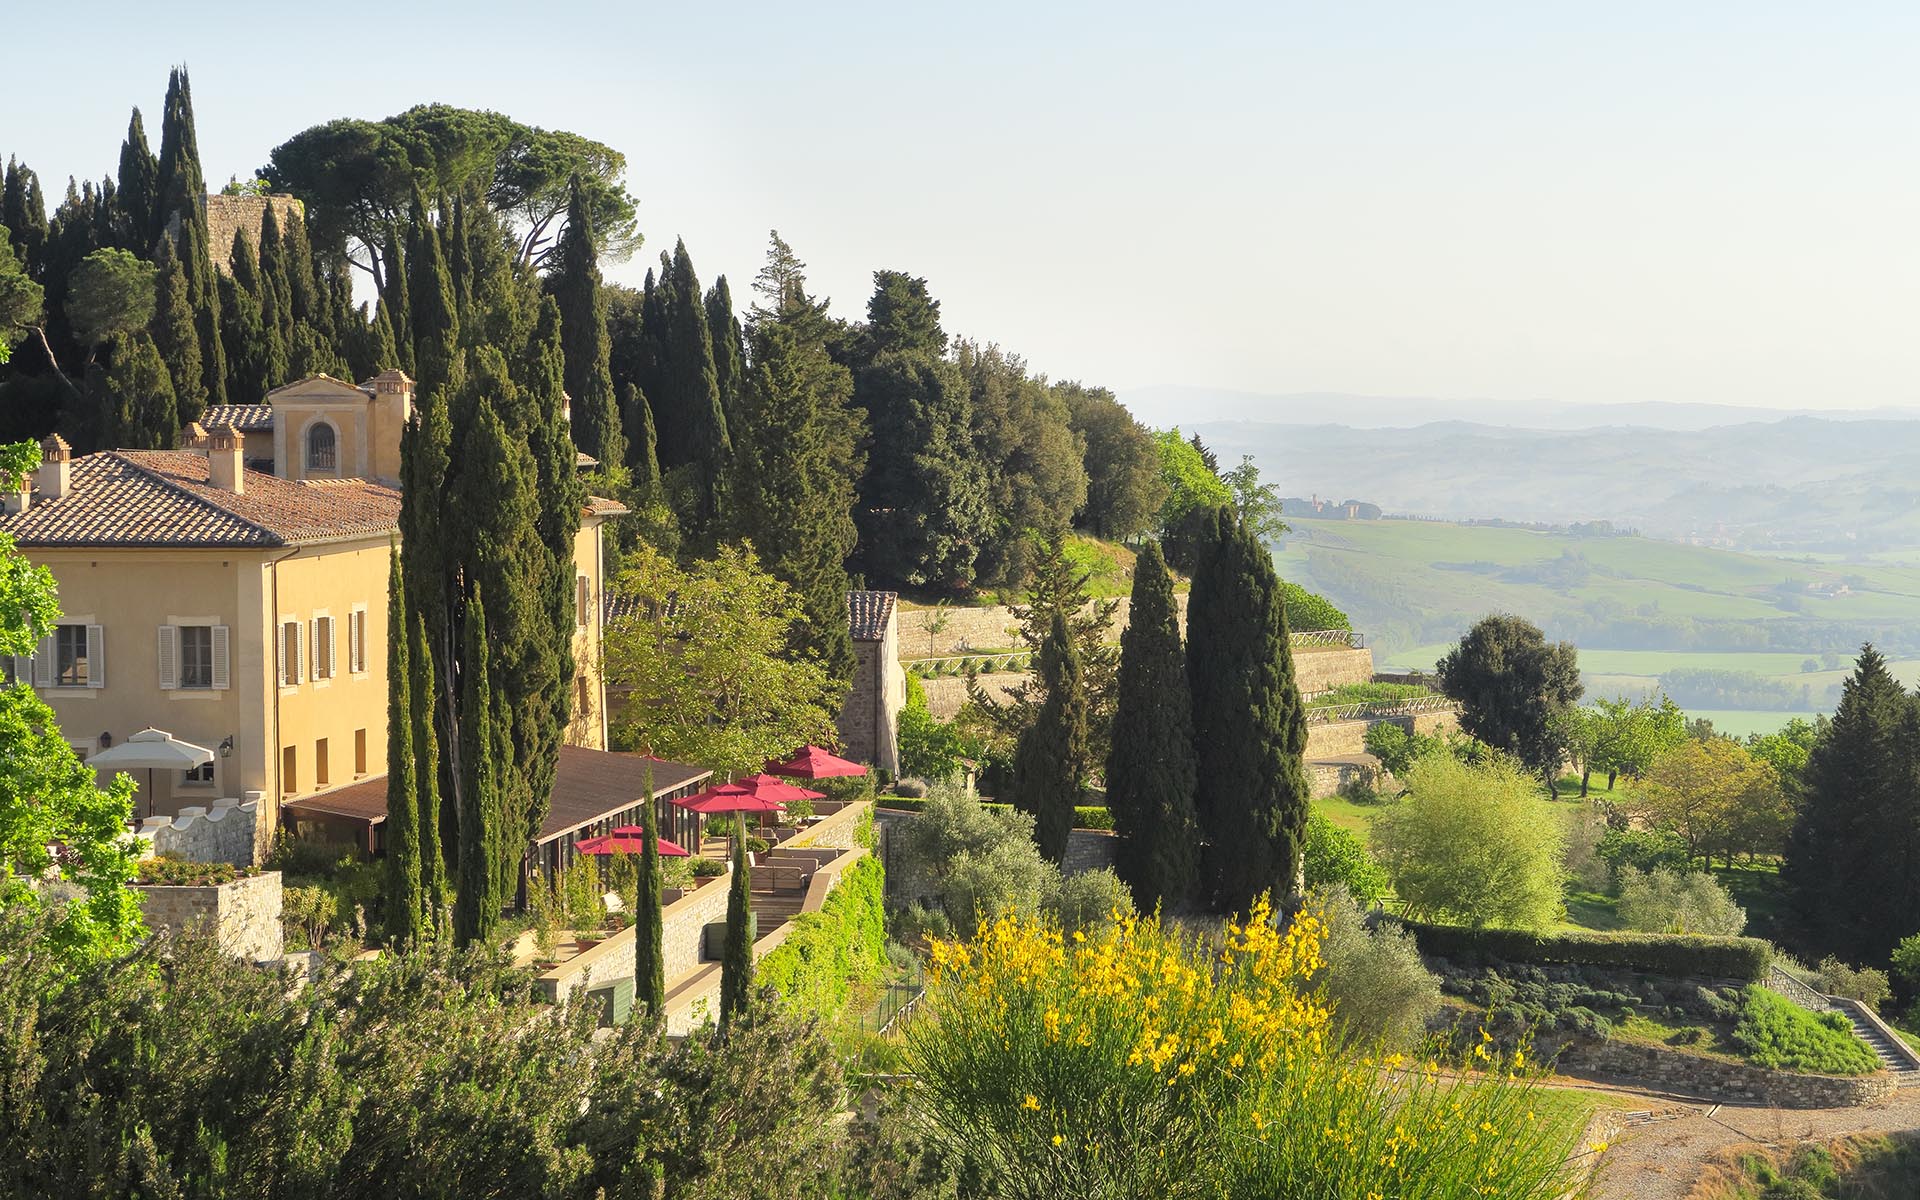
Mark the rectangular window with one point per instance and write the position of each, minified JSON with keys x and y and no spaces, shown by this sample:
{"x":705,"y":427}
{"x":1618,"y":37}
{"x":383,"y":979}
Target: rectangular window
{"x":323,"y":647}
{"x":290,"y":655}
{"x":357,"y":641}
{"x":70,"y":656}
{"x":196,"y":656}
{"x":201,"y":776}
{"x":582,"y":602}
{"x":320,"y":763}
{"x":359,"y":752}
{"x":289,"y":775}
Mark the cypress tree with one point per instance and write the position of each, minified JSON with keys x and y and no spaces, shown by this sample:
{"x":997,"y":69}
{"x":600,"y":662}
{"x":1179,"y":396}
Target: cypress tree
{"x":477,"y":905}
{"x":313,"y":305}
{"x":729,"y":353}
{"x":435,"y":318}
{"x":649,"y":952}
{"x":175,"y":336}
{"x":1050,"y":763}
{"x":688,"y":422}
{"x":406,"y":918}
{"x":23,"y":210}
{"x":796,"y":461}
{"x":422,"y":703}
{"x":643,"y":458}
{"x":182,"y":191}
{"x":1151,"y":774}
{"x":276,"y":289}
{"x":1855,"y":836}
{"x":382,"y":349}
{"x":136,"y":396}
{"x":258,"y":363}
{"x":1249,"y":725}
{"x":139,"y":196}
{"x":459,"y":257}
{"x":583,"y":327}
{"x":736,"y":965}
{"x":399,"y":302}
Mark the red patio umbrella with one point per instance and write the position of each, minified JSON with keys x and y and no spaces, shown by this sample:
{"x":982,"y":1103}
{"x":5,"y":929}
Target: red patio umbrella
{"x":772,"y":787}
{"x":730,"y":798}
{"x":811,"y":762}
{"x":628,"y":839}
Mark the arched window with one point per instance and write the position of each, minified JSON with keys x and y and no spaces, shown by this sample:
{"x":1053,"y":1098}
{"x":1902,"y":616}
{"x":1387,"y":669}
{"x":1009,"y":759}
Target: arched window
{"x":320,"y":448}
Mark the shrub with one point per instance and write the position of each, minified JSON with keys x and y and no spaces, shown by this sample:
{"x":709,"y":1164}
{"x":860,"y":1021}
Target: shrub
{"x":1669,"y":901}
{"x":1336,"y":857}
{"x":706,"y":868}
{"x":305,"y":914}
{"x":1740,"y":958}
{"x":1088,"y":900}
{"x":1906,"y":963}
{"x":171,"y":871}
{"x":1643,"y":850}
{"x":912,"y":789}
{"x":1038,"y":1062}
{"x":929,"y":748}
{"x":1374,"y":980}
{"x":1308,"y":610}
{"x":1092,"y":816}
{"x":1471,"y":843}
{"x":827,"y":951}
{"x":977,"y":861}
{"x":312,"y":857}
{"x":1864,"y":984}
{"x":1777,"y":1034}
{"x":676,"y":872}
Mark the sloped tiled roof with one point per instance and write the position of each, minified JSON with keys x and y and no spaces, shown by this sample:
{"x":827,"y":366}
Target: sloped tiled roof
{"x":600,"y":506}
{"x":868,"y":614}
{"x":245,"y":418}
{"x":163,"y":498}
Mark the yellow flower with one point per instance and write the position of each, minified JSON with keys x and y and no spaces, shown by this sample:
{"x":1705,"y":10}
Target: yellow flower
{"x":1032,"y":1102}
{"x":1057,"y":1139}
{"x":1597,"y":1147}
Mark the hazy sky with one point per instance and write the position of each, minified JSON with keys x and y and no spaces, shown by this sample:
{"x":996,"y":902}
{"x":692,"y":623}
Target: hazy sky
{"x":1625,"y":201}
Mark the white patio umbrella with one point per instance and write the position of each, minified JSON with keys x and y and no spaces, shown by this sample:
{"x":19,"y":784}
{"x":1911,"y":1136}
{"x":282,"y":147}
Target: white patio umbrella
{"x":156,"y":750}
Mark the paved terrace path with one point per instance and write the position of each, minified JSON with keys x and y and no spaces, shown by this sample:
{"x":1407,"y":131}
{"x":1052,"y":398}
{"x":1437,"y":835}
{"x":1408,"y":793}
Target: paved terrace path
{"x":1663,"y":1160}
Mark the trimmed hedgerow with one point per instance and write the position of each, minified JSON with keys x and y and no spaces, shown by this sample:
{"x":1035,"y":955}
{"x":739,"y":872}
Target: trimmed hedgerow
{"x":1092,"y":816}
{"x":827,"y":951}
{"x":1740,"y":958}
{"x":1778,"y":1034}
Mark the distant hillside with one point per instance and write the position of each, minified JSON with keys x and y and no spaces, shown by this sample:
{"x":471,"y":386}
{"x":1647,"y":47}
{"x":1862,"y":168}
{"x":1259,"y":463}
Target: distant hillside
{"x":1420,"y":583}
{"x":1803,"y":484}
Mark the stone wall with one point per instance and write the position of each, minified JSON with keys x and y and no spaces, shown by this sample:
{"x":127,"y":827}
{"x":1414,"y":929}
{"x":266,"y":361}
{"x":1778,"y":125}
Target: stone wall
{"x":228,"y":830}
{"x":1089,"y":850}
{"x":1327,"y":778}
{"x":227,"y":215}
{"x":1726,"y":1082}
{"x":1321,"y":669}
{"x":869,"y":719}
{"x":993,"y":627}
{"x":244,"y":915}
{"x":1344,"y":739}
{"x":840,"y":830}
{"x":682,"y":925}
{"x":947,"y":693}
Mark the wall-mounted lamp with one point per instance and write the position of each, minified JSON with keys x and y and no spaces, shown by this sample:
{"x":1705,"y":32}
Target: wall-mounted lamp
{"x":226,"y":747}
{"x":106,"y":740}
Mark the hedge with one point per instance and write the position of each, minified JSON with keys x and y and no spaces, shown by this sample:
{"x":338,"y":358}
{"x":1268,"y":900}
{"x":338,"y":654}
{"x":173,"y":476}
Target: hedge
{"x":1677,"y":954}
{"x":826,"y":951}
{"x":1085,"y":816}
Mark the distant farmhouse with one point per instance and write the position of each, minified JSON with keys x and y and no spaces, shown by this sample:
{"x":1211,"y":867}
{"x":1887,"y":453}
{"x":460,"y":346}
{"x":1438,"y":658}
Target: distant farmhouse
{"x":1314,"y":508}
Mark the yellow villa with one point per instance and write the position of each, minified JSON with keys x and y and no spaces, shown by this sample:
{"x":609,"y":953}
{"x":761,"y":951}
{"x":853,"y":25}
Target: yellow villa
{"x":233,"y":592}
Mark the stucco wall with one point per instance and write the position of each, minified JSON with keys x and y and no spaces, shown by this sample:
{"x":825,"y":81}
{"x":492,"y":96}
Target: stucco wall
{"x":244,"y":915}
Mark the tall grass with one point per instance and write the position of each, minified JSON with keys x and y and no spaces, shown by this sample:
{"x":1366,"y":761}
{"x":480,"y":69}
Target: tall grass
{"x":1131,"y":1062}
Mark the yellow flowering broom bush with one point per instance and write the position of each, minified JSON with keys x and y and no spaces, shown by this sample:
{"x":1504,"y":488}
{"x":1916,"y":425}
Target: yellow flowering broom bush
{"x":1130,"y":1062}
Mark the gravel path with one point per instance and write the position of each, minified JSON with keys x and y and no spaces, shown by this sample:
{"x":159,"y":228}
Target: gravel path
{"x":1663,"y":1160}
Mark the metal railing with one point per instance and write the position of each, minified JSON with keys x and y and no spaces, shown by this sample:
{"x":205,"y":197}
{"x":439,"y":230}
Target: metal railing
{"x":1328,"y":637}
{"x":896,"y":1002}
{"x":960,"y":664}
{"x":1379,"y":710}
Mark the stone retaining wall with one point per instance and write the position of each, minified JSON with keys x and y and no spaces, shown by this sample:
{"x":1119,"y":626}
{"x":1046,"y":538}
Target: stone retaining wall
{"x":963,"y":630}
{"x":227,"y":830}
{"x":1726,"y":1082}
{"x":1089,"y":850}
{"x":1343,"y":739}
{"x":682,"y":925}
{"x":244,"y":915}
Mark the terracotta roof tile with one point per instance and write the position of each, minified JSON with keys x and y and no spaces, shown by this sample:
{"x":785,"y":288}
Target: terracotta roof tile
{"x":868,"y":614}
{"x":245,"y":418}
{"x":163,"y":498}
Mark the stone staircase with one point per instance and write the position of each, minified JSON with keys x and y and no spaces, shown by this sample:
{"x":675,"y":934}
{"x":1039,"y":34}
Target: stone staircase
{"x":1894,"y":1054}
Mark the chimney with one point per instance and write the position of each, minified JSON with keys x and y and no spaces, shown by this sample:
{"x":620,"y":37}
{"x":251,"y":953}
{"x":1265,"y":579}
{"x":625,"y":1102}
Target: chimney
{"x":17,"y":501}
{"x":392,"y":396}
{"x":225,"y":470}
{"x":193,"y":436}
{"x":56,"y":468}
{"x":566,"y":407}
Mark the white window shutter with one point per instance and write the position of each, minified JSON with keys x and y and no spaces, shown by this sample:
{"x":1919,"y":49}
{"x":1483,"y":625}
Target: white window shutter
{"x":43,"y":664}
{"x":169,"y":656}
{"x":353,"y":642}
{"x":222,"y":672}
{"x":280,"y":657}
{"x":300,"y":655}
{"x":333,"y":661}
{"x":96,"y":656}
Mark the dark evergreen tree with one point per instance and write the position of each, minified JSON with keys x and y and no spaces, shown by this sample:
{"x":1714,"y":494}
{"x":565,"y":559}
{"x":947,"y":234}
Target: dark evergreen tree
{"x":575,"y":284}
{"x":795,"y":466}
{"x":138,"y":198}
{"x":275,"y":286}
{"x":685,"y":396}
{"x":175,"y":336}
{"x":406,"y":913}
{"x":1151,"y":774}
{"x":136,"y":396}
{"x":459,"y":256}
{"x":312,"y":303}
{"x":1036,"y":479}
{"x":435,"y":318}
{"x":477,"y":904}
{"x":423,"y":702}
{"x":1050,"y":766}
{"x":736,"y":964}
{"x":923,"y":509}
{"x":729,"y":353}
{"x":23,"y":210}
{"x":1853,"y":859}
{"x":1249,"y":724}
{"x":649,"y":954}
{"x":782,"y":288}
{"x":258,"y":362}
{"x":643,"y":456}
{"x":1206,"y":456}
{"x":399,"y":301}
{"x":183,"y":189}
{"x":381,"y":351}
{"x":1513,"y":685}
